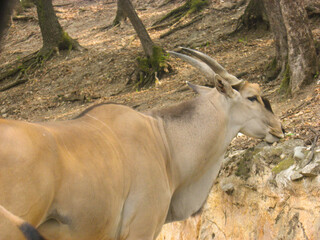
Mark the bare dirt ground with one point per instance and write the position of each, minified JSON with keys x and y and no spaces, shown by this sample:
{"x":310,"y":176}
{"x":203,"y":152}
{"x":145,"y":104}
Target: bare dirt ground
{"x":72,"y":81}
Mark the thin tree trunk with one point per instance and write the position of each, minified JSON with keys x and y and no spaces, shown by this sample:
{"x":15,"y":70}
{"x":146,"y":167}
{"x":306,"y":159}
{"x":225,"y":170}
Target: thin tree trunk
{"x":137,"y":24}
{"x":6,"y":7}
{"x":278,"y":65}
{"x":302,"y":53}
{"x":296,"y":60}
{"x":151,"y":67}
{"x":52,"y":33}
{"x":120,"y":15}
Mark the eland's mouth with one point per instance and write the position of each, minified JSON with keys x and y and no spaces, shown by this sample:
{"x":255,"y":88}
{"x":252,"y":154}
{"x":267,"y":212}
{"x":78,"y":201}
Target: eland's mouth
{"x":277,"y":134}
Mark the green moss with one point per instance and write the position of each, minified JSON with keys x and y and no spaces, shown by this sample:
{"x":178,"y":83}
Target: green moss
{"x":149,"y":66}
{"x":159,"y":59}
{"x":26,"y":3}
{"x":66,"y":42}
{"x":285,"y":82}
{"x":157,"y":62}
{"x":197,"y":5}
{"x":283,"y":165}
{"x":244,"y":165}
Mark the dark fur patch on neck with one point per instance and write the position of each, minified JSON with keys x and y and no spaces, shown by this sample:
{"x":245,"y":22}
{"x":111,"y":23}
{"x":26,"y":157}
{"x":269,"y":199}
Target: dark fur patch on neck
{"x":182,"y":110}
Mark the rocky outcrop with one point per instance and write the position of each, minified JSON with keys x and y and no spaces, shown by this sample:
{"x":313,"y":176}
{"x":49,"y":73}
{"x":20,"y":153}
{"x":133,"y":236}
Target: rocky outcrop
{"x":268,"y":192}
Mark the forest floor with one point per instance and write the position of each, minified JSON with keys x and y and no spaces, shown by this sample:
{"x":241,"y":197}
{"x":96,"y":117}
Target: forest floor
{"x":72,"y":81}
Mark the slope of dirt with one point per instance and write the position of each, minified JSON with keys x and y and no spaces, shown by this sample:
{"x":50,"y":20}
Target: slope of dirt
{"x":72,"y":81}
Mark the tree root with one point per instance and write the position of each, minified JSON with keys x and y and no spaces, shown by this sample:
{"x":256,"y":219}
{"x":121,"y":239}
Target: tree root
{"x":17,"y":82}
{"x":165,"y":2}
{"x":24,"y":18}
{"x":191,"y":6}
{"x":194,"y":20}
{"x":160,"y":26}
{"x":17,"y":67}
{"x":22,"y":67}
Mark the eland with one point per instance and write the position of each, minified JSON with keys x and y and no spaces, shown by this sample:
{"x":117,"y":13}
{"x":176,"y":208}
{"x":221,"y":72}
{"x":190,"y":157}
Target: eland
{"x":116,"y":173}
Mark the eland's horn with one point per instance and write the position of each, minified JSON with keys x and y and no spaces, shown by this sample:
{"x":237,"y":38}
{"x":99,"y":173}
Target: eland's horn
{"x":201,"y":66}
{"x":214,"y":65}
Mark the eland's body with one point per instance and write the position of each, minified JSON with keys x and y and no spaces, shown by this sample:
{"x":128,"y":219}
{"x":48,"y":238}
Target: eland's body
{"x":115,"y":173}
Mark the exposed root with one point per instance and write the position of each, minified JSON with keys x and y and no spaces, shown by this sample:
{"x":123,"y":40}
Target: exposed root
{"x":195,"y":19}
{"x":165,"y":2}
{"x":17,"y":82}
{"x":22,"y":67}
{"x":191,"y":6}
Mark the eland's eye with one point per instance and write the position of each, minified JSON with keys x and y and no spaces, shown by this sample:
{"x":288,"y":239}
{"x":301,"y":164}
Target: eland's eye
{"x":253,"y":98}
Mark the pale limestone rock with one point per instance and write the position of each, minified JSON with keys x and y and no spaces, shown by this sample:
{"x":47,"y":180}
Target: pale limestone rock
{"x":264,"y":205}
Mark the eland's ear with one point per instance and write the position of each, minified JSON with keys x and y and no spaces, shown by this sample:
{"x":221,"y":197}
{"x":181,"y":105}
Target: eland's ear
{"x":199,"y":89}
{"x":223,"y":86}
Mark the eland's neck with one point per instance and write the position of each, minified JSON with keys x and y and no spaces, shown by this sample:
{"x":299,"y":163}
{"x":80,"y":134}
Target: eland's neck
{"x":198,"y":135}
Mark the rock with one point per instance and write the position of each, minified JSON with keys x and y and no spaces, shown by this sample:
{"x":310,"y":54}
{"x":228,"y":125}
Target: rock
{"x":228,"y":188}
{"x":298,"y":152}
{"x":296,"y":176}
{"x":265,"y":205}
{"x":311,"y":170}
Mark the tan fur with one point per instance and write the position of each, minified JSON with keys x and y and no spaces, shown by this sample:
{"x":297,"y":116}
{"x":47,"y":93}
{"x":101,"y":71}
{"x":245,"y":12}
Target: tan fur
{"x":83,"y":172}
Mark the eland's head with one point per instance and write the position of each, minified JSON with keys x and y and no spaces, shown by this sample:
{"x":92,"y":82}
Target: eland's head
{"x":248,"y":110}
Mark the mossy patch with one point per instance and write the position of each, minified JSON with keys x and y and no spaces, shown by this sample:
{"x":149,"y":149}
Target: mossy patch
{"x":245,"y":164}
{"x":285,"y":82}
{"x":151,"y":67}
{"x":283,"y":165}
{"x":197,"y":5}
{"x":273,"y":156}
{"x":26,"y":3}
{"x":66,"y":42}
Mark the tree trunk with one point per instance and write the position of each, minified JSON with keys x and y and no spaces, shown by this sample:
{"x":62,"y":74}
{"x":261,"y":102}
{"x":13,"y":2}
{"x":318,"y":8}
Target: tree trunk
{"x":138,"y":26}
{"x":302,"y":53}
{"x":279,"y":64}
{"x":254,"y":16}
{"x":6,"y":7}
{"x":120,"y":15}
{"x":53,"y":36}
{"x":151,"y":67}
{"x":296,"y":60}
